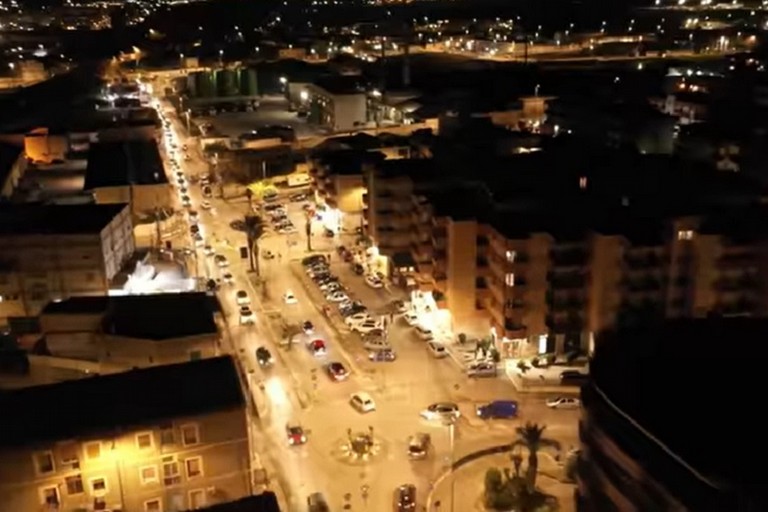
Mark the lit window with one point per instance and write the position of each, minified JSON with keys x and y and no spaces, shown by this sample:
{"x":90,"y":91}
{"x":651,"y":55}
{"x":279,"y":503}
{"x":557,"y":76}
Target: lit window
{"x":685,"y":234}
{"x":49,"y":496}
{"x":148,"y":475}
{"x":509,"y":280}
{"x":93,"y":450}
{"x":190,"y":434}
{"x":144,"y":440}
{"x":194,"y":467}
{"x":171,"y":474}
{"x":154,"y":505}
{"x":44,"y":463}
{"x":99,"y":486}
{"x":166,"y":435}
{"x":583,"y":182}
{"x":511,"y":256}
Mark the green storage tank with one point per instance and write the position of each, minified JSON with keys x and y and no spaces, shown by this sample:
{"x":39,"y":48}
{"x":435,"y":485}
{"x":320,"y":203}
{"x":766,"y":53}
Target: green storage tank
{"x":226,"y":83}
{"x":248,"y":84}
{"x":205,"y":85}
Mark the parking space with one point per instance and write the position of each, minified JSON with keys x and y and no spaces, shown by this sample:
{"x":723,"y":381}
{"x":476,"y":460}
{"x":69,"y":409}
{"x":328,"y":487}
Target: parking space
{"x":273,"y":110}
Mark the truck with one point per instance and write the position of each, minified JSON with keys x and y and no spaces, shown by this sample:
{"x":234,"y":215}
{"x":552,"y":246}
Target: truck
{"x":502,"y":409}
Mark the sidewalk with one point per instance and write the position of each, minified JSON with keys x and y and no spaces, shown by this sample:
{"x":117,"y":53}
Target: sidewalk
{"x":466,"y":485}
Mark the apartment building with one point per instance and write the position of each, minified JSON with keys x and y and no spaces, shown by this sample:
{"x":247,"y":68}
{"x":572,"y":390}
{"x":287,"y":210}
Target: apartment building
{"x":633,"y":457}
{"x":52,"y":252}
{"x":133,"y":331}
{"x":158,"y":439}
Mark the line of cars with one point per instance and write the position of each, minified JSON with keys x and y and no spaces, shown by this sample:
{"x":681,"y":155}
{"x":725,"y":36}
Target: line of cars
{"x":278,"y":215}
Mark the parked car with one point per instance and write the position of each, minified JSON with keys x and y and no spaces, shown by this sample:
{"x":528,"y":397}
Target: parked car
{"x":246,"y":315}
{"x":366,"y":327}
{"x":208,"y":250}
{"x":228,"y":278}
{"x":423,"y":333}
{"x":376,"y":343}
{"x":336,"y":296}
{"x":358,"y":269}
{"x":357,"y":318}
{"x":373,"y":281}
{"x":502,"y":409}
{"x":290,"y":298}
{"x":563,"y":402}
{"x":308,"y":327}
{"x":362,"y":402}
{"x":221,"y":260}
{"x":315,"y":258}
{"x":573,"y":378}
{"x":411,"y":319}
{"x":242,"y":298}
{"x":437,"y":350}
{"x":483,"y":369}
{"x":441,"y":411}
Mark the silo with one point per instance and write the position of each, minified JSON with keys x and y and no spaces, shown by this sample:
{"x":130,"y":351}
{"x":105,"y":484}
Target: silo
{"x":248,"y":84}
{"x":205,"y":85}
{"x":226,"y":83}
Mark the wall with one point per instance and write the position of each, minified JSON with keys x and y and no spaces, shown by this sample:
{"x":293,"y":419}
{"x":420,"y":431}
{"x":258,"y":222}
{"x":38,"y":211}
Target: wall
{"x":223,"y":447}
{"x":118,"y":243}
{"x":144,"y":198}
{"x":461,"y":250}
{"x":349,"y":111}
{"x":18,"y":168}
{"x":40,"y":146}
{"x":605,"y":282}
{"x":349,"y":192}
{"x":141,"y":353}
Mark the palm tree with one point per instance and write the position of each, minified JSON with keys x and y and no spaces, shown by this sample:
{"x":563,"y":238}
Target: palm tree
{"x":530,"y":436}
{"x":255,"y":229}
{"x":308,"y":231}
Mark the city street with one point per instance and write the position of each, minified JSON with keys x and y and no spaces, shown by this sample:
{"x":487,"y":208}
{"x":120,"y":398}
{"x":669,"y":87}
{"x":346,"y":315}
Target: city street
{"x":296,"y":389}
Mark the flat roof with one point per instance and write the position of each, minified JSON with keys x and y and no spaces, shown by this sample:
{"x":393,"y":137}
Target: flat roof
{"x":161,"y":316}
{"x":120,"y":163}
{"x":104,"y":404}
{"x":689,"y":382}
{"x":50,"y":219}
{"x":158,"y":317}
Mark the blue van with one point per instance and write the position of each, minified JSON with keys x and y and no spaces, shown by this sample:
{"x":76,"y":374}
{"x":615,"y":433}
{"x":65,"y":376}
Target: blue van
{"x":503,"y":409}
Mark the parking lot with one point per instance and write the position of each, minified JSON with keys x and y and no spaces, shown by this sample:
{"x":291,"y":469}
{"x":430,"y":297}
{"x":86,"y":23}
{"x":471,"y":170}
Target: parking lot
{"x":273,"y":110}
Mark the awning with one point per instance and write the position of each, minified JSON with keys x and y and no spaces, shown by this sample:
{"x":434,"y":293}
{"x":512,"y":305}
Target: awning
{"x":403,"y":259}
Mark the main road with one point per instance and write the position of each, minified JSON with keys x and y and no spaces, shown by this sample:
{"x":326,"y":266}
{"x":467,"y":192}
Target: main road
{"x":297,"y":390}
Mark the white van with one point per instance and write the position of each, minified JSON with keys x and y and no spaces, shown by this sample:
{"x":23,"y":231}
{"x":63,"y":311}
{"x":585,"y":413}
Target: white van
{"x":376,"y":343}
{"x":362,"y":402}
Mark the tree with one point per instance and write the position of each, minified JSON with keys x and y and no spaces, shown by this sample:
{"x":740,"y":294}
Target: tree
{"x":308,"y":231}
{"x":530,"y":436}
{"x":255,"y":229}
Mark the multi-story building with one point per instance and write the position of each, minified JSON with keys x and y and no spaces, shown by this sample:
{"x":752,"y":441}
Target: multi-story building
{"x":49,"y":253}
{"x":134,"y":330}
{"x":340,"y":104}
{"x":645,"y":425}
{"x":162,"y":438}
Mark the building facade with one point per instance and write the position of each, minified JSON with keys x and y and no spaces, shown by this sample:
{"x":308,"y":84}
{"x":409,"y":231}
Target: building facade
{"x":49,"y":253}
{"x":187,"y":450}
{"x":339,"y":110}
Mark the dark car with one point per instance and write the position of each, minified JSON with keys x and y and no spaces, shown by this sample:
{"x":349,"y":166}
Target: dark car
{"x":358,"y":269}
{"x":337,"y":371}
{"x":308,"y":327}
{"x":311,"y":260}
{"x":405,"y":498}
{"x":573,"y":378}
{"x":264,"y":357}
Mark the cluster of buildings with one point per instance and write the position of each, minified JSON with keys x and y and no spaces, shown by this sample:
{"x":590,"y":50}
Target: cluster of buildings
{"x":546,"y":249}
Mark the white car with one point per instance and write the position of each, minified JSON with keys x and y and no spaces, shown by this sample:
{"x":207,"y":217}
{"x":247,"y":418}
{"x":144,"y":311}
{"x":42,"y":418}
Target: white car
{"x":362,"y":402}
{"x":290,"y":298}
{"x":221,"y":260}
{"x":205,"y":205}
{"x":366,"y":327}
{"x":411,"y":319}
{"x":563,"y":402}
{"x":228,"y":278}
{"x":423,"y":333}
{"x":246,"y":315}
{"x":242,"y":298}
{"x":441,"y":411}
{"x":193,"y":216}
{"x":208,"y":250}
{"x":185,"y":202}
{"x":336,"y":296}
{"x":437,"y":350}
{"x":199,"y":241}
{"x":373,"y":281}
{"x":357,"y":318}
{"x":483,"y":369}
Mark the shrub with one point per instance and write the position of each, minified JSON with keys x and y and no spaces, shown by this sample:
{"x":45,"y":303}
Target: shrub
{"x":493,"y":480}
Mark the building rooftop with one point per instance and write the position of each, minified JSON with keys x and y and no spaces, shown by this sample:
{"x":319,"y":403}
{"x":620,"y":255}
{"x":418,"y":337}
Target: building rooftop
{"x":120,"y":163}
{"x":156,"y":317}
{"x":340,"y":84}
{"x":104,"y":404}
{"x":39,"y":219}
{"x":161,"y":316}
{"x":657,"y":376}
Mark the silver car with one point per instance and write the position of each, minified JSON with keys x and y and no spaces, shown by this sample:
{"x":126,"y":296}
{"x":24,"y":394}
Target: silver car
{"x":484,"y":369}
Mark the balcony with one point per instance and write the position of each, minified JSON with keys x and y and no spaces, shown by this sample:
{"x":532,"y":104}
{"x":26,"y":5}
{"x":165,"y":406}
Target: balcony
{"x":514,"y":329}
{"x":566,"y":258}
{"x":640,"y":261}
{"x":736,"y":258}
{"x":564,"y":322}
{"x":439,"y":257}
{"x":482,"y":267}
{"x":740,"y":307}
{"x":515,"y":304}
{"x":744,"y":282}
{"x":567,"y":280}
{"x":565,"y":304}
{"x":647,"y":284}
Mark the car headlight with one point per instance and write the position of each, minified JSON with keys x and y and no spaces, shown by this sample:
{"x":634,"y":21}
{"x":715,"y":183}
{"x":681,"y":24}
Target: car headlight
{"x":303,"y":439}
{"x":290,"y":440}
